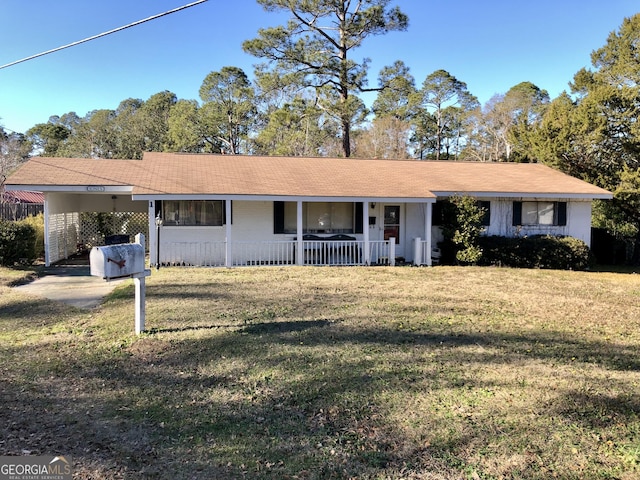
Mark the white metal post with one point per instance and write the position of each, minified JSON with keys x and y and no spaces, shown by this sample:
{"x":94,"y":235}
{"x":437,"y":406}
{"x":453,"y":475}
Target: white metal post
{"x":227,"y":244}
{"x":300,"y":235}
{"x":427,"y":231}
{"x":365,"y":231}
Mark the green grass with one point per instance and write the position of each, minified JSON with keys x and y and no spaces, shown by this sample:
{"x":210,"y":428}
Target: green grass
{"x":311,"y":373}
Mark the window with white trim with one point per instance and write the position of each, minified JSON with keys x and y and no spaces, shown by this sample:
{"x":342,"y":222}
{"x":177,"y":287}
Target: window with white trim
{"x":319,"y":217}
{"x":539,"y":213}
{"x":207,"y":213}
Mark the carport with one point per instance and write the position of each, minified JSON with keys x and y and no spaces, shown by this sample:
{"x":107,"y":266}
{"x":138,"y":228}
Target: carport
{"x":86,"y":201}
{"x":83,"y":217}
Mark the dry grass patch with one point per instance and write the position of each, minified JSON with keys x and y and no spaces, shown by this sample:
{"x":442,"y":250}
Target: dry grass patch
{"x":373,"y":373}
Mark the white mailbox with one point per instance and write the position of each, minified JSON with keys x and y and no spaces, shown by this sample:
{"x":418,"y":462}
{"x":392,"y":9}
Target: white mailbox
{"x":117,"y":261}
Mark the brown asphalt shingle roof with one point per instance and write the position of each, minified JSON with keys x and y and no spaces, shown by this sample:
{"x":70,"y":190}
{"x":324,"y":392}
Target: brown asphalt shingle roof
{"x":188,"y":174}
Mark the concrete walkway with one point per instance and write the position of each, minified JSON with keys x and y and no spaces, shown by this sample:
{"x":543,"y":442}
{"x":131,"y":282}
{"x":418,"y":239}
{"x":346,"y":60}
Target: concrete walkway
{"x":70,"y":284}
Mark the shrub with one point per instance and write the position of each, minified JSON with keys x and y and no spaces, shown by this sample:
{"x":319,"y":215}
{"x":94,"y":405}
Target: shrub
{"x":461,"y":228}
{"x":561,"y":253}
{"x":17,"y":242}
{"x":37,"y":222}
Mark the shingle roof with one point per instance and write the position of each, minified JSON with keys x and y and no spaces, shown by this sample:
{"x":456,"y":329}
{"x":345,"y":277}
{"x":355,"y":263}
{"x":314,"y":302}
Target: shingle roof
{"x":191,"y":174}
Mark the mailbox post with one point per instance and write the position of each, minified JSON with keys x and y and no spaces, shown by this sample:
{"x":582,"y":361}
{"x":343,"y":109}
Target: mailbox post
{"x":125,"y":260}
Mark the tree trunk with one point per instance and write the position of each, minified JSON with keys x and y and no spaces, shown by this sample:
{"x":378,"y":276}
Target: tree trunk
{"x":438,"y":132}
{"x":346,"y":137}
{"x":635,"y":259}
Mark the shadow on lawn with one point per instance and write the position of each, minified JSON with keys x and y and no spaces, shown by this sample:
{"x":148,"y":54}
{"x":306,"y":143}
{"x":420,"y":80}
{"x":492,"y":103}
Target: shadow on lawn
{"x":546,"y":345}
{"x":179,"y":292}
{"x":209,"y":407}
{"x":188,"y":328}
{"x":263,"y":328}
{"x":20,"y":312}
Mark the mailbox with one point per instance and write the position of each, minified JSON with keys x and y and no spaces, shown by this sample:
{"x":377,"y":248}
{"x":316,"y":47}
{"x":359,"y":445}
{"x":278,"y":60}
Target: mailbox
{"x":117,"y":261}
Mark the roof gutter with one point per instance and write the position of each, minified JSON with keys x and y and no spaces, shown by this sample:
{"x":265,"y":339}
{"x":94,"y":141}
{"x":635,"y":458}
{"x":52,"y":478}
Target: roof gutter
{"x":561,"y":195}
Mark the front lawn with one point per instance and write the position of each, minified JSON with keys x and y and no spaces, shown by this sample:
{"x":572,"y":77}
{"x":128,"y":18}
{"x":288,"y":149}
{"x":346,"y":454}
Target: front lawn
{"x":309,"y":373}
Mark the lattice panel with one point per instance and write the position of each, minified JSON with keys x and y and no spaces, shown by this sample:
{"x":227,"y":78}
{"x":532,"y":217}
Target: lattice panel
{"x":95,"y":226}
{"x":63,"y":235}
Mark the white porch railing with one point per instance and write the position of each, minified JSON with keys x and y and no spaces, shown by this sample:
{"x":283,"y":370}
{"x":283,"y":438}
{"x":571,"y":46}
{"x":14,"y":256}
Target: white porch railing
{"x":193,"y":254}
{"x":316,"y":252}
{"x":333,"y":252}
{"x":382,"y":252}
{"x":262,"y":253}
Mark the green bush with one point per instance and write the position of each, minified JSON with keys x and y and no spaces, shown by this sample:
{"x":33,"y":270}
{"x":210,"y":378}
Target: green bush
{"x":37,"y":222}
{"x":461,"y":228}
{"x":17,"y":242}
{"x":560,"y":253}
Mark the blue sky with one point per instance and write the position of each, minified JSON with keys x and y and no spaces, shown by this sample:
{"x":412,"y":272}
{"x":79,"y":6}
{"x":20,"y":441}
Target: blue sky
{"x":491,"y":45}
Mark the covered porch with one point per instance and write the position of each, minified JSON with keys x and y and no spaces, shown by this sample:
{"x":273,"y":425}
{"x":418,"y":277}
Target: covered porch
{"x":380,"y":232}
{"x":384,"y":232}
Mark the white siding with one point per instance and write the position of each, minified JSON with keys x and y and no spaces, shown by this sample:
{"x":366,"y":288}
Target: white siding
{"x":253,"y":221}
{"x":578,"y":221}
{"x":415,"y":218}
{"x":253,"y":227}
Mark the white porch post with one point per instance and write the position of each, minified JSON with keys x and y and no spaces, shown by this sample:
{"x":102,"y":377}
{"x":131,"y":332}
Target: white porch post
{"x":299,"y":235}
{"x":153,"y":234}
{"x":365,"y":232}
{"x":392,"y":251}
{"x":47,"y":232}
{"x":428,"y":220}
{"x":228,"y":262}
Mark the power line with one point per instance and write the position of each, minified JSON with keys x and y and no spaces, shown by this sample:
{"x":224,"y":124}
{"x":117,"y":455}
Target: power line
{"x":103,"y":34}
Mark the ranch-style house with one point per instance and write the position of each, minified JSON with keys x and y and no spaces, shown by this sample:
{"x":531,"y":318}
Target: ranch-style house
{"x":224,"y":210}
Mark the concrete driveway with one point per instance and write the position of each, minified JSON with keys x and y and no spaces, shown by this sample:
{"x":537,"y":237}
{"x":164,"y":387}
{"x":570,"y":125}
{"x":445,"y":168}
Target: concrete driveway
{"x":72,"y":285}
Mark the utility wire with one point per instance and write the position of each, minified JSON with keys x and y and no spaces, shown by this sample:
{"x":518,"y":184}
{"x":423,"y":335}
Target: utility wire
{"x":103,"y":34}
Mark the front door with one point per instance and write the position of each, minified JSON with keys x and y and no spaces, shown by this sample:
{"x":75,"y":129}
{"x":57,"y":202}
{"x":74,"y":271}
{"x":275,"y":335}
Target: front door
{"x":393,"y":227}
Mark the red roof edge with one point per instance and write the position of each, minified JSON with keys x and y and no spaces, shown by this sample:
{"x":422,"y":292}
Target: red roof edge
{"x":23,"y":196}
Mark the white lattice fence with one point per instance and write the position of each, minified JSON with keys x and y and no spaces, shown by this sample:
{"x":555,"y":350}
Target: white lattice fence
{"x":64,"y":229}
{"x":95,"y":226}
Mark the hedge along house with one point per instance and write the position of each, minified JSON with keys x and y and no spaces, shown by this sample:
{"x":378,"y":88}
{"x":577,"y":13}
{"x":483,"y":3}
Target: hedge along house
{"x":221,"y":210}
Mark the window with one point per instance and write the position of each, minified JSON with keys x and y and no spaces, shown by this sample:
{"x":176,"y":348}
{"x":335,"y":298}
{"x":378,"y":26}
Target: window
{"x":208,"y":213}
{"x":539,"y":213}
{"x":319,"y":217}
{"x":485,"y":205}
{"x":392,"y":223}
